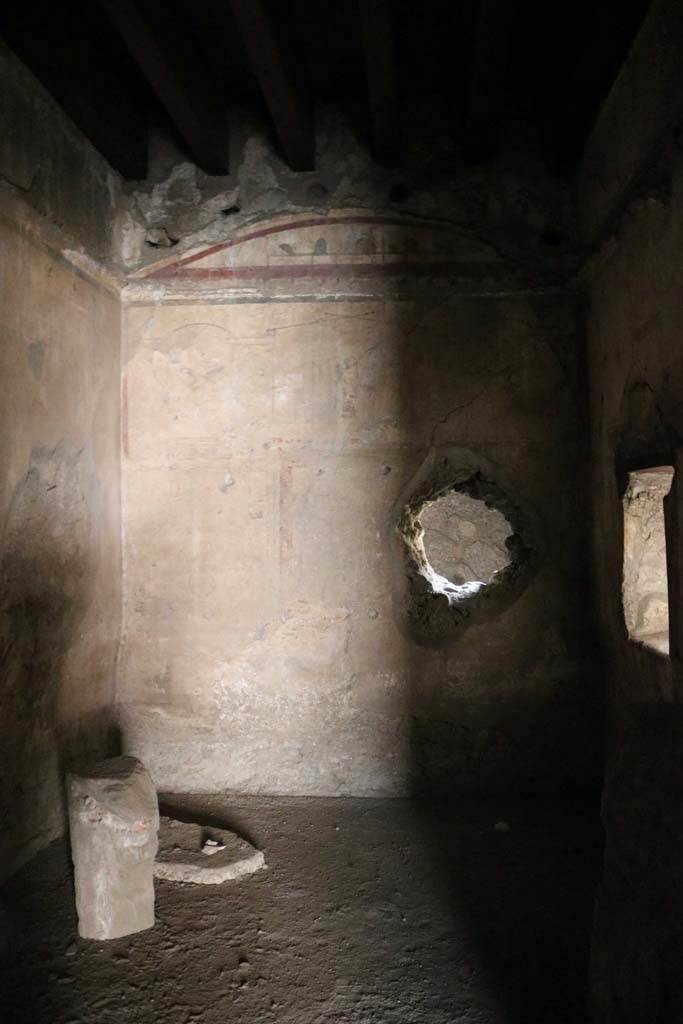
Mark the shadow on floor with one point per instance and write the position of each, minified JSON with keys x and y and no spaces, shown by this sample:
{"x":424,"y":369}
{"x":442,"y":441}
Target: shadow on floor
{"x":523,"y":874}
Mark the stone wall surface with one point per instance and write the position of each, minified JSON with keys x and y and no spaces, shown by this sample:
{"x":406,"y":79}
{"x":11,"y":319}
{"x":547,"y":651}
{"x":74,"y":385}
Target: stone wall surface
{"x":60,"y":579}
{"x":281,"y":392}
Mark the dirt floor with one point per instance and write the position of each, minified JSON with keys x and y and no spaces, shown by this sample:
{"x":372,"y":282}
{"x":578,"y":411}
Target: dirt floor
{"x":370,"y":912}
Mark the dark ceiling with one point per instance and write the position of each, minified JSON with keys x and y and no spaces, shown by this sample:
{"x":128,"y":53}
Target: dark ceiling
{"x":482,"y":71}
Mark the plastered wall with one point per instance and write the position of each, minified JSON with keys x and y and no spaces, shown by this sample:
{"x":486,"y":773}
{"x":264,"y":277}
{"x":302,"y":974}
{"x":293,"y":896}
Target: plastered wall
{"x":60,"y":582}
{"x":634,"y":336}
{"x":281,"y":391}
{"x":631,"y":209}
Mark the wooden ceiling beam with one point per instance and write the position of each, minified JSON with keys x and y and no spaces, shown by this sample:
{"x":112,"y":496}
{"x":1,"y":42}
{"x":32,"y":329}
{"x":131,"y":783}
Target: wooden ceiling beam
{"x":205,"y":138}
{"x":290,"y":114}
{"x":380,"y":68}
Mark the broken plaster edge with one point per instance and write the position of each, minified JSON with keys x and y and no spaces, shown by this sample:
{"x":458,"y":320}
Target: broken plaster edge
{"x":184,"y":872}
{"x":296,"y":216}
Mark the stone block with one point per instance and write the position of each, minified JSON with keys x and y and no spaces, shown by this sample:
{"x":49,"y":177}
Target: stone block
{"x":114,"y":820}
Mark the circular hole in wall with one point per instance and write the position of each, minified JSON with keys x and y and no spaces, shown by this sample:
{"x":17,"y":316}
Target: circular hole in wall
{"x":466,"y":544}
{"x":468,"y":550}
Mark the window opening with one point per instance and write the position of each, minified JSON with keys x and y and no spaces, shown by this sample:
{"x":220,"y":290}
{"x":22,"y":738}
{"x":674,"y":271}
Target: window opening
{"x":645,"y":592}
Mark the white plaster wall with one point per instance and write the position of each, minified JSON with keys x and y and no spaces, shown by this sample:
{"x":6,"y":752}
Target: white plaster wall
{"x":267,"y":444}
{"x":60,"y":566}
{"x":259,"y":639}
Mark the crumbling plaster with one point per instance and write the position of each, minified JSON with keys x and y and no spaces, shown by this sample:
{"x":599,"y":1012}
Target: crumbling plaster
{"x":515,"y":205}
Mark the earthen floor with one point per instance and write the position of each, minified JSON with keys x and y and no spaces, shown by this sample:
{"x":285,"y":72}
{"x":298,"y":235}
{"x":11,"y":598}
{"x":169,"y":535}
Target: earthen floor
{"x":370,"y":912}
